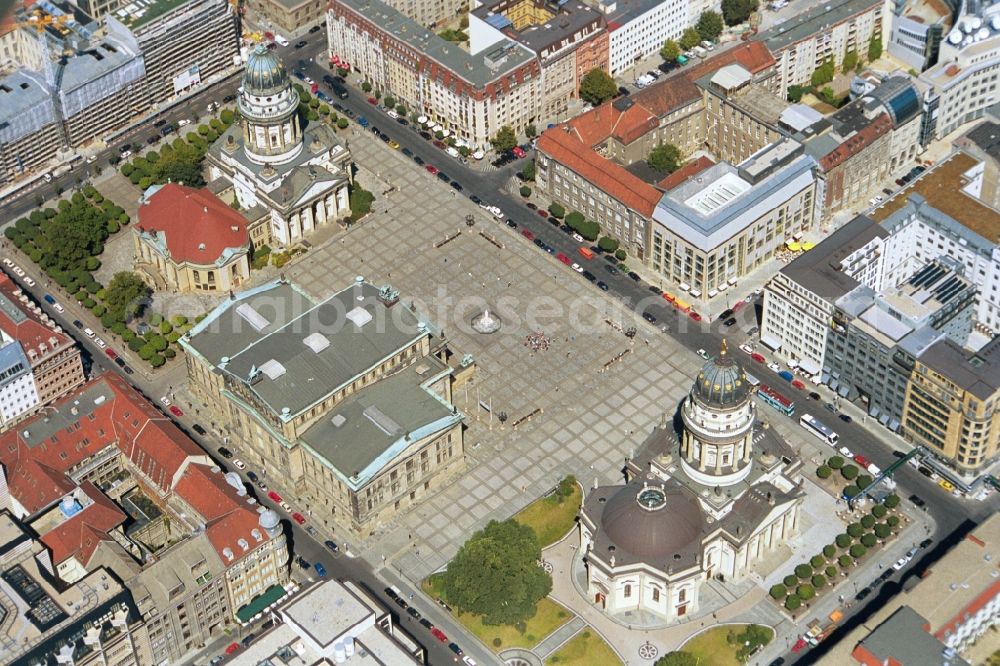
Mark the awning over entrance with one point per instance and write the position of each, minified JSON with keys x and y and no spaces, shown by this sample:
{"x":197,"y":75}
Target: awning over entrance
{"x":261,"y":602}
{"x":770,"y":342}
{"x":809,"y":366}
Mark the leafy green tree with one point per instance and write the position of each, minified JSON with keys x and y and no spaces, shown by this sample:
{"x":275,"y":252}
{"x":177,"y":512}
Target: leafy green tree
{"x":360,"y":201}
{"x":879,"y":511}
{"x":401,"y":109}
{"x":882,"y":531}
{"x":823,"y":74}
{"x":504,"y":140}
{"x":689,"y":38}
{"x":892,"y":521}
{"x":857,"y":551}
{"x":709,"y":25}
{"x":525,"y":191}
{"x":677,"y":658}
{"x":817,"y":561}
{"x":738,"y":11}
{"x":157,"y":360}
{"x":844,"y":540}
{"x":390,"y":101}
{"x":790,"y":581}
{"x":670,"y":50}
{"x":875,"y":48}
{"x":530,"y":131}
{"x":366,"y":87}
{"x":597,"y":87}
{"x":792,"y":602}
{"x":845,"y":561}
{"x":850,"y":61}
{"x":869,"y":540}
{"x":575,"y":220}
{"x":891,"y":501}
{"x":528,"y":171}
{"x":795,"y":93}
{"x":831,"y":572}
{"x":778,"y":591}
{"x":805,"y":592}
{"x":495,"y":574}
{"x":823,"y":472}
{"x":557,"y":210}
{"x":620,"y":254}
{"x":342,"y":123}
{"x":803,"y":571}
{"x":608,"y":244}
{"x":126,"y":295}
{"x":818,"y":581}
{"x":863,"y":481}
{"x":868,"y":522}
{"x":590,"y":230}
{"x":665,"y":158}
{"x":851,"y":491}
{"x":835,"y":462}
{"x":829,"y":550}
{"x":849,"y":472}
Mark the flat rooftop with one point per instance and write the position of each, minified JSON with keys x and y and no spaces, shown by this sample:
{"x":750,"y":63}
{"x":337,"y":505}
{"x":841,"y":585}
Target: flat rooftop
{"x":819,"y":270}
{"x":24,"y":92}
{"x":311,"y":612}
{"x":976,"y":372}
{"x":373,"y":423}
{"x":321,"y":350}
{"x":941,"y":186}
{"x":485,"y":67}
{"x":563,"y":22}
{"x":139,"y":12}
{"x":813,"y":22}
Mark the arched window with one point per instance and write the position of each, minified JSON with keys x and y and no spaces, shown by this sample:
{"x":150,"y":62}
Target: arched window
{"x":628,"y":590}
{"x":682,"y":595}
{"x":656,"y":594}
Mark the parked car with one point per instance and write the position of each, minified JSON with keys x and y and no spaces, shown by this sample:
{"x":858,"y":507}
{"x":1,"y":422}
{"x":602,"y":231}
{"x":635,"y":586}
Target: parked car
{"x":320,"y":569}
{"x":332,"y":546}
{"x":253,"y":476}
{"x":198,"y":429}
{"x":176,"y":411}
{"x":239,"y":463}
{"x":703,"y":354}
{"x":438,"y":634}
{"x":225,"y":453}
{"x":299,"y":518}
{"x":274,"y":497}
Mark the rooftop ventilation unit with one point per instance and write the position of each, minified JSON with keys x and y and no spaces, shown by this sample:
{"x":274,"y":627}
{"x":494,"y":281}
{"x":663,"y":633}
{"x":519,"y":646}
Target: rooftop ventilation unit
{"x":359,"y":316}
{"x":252,"y":317}
{"x":382,"y":420}
{"x":317,"y":342}
{"x":273,"y":369}
{"x":338,"y":420}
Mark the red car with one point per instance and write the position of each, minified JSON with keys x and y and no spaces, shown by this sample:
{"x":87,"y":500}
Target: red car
{"x":563,"y":258}
{"x":440,"y":144}
{"x":757,"y":357}
{"x":275,"y":497}
{"x":112,"y":354}
{"x":694,"y":315}
{"x":233,"y":647}
{"x":797,"y":383}
{"x":518,"y":152}
{"x":861,"y":460}
{"x":438,"y":634}
{"x":542,"y":212}
{"x":176,"y":411}
{"x":299,"y":518}
{"x":527,"y":234}
{"x":799,"y":645}
{"x":432,"y":170}
{"x":372,"y":100}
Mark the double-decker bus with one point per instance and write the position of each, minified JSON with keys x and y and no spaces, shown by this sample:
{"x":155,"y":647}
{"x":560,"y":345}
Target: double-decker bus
{"x":776,"y":400}
{"x":813,"y":425}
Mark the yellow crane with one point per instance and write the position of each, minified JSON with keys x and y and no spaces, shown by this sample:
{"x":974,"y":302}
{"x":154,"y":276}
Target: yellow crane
{"x":41,"y":20}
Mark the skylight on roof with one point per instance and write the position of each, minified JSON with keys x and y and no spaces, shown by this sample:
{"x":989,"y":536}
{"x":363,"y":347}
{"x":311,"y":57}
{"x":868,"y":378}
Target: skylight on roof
{"x":359,"y":316}
{"x":252,"y":317}
{"x":273,"y":369}
{"x":317,"y":342}
{"x":382,"y":420}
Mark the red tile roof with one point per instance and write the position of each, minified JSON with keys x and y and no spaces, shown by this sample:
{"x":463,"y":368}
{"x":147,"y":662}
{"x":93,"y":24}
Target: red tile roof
{"x":32,"y":332}
{"x":197,"y":225}
{"x":687,"y":171}
{"x":605,"y":121}
{"x":857,"y":143}
{"x":80,"y":535}
{"x":169,"y":461}
{"x":228,"y":518}
{"x":679,"y":90}
{"x":567,"y":149}
{"x":123,"y":418}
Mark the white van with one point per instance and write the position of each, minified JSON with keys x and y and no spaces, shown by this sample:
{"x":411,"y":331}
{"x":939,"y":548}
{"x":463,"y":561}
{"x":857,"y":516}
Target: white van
{"x":751,"y":380}
{"x":281,"y":40}
{"x":698,"y":51}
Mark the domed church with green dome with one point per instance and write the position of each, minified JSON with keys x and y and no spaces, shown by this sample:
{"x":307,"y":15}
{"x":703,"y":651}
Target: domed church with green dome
{"x":288,"y":179}
{"x":710,"y":493}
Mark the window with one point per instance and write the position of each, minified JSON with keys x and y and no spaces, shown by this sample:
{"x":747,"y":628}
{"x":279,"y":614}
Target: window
{"x":628,"y":591}
{"x":656,"y":594}
{"x":682,"y":595}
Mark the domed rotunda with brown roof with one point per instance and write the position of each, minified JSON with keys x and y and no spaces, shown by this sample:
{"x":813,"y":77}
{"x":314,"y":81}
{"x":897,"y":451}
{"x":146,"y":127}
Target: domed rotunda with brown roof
{"x":710,"y":499}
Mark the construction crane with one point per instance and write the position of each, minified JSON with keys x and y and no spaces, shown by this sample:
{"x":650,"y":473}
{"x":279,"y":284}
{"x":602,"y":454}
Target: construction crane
{"x":255,"y":37}
{"x":40,"y":21}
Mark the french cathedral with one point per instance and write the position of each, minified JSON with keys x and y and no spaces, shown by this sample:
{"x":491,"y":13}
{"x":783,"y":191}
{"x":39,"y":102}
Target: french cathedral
{"x":293,"y":179}
{"x":710,"y":493}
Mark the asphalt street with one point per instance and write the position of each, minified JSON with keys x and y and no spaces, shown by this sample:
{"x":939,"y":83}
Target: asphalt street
{"x":950,"y":514}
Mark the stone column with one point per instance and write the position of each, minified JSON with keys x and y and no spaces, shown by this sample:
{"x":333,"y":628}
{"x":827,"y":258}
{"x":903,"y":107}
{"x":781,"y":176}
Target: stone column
{"x":718,"y":460}
{"x":701,"y":457}
{"x":323,"y":211}
{"x":748,"y":446}
{"x":308,"y":219}
{"x":294,"y":227}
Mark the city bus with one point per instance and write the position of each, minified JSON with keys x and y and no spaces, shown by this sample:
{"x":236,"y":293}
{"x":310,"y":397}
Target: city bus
{"x":776,"y":400}
{"x":813,"y":425}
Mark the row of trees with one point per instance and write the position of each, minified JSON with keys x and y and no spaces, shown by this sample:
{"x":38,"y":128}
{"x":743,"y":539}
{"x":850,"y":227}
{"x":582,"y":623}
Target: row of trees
{"x":823,"y":568}
{"x":708,"y":28}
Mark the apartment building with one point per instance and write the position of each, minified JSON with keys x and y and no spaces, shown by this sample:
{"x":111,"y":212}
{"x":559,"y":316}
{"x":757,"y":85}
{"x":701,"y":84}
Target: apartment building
{"x":719,"y":225}
{"x":825,"y":32}
{"x":741,"y":117}
{"x":29,"y":128}
{"x":184,"y":46}
{"x":472,"y":95}
{"x":951,"y":405}
{"x":41,"y":363}
{"x":799,"y":300}
{"x":107,"y":481}
{"x":941,"y":213}
{"x":289,"y":17}
{"x":349,"y":399}
{"x":917,"y":31}
{"x":963,"y":83}
{"x":568,"y":39}
{"x":91,"y":622}
{"x":982,"y":142}
{"x":852,"y":148}
{"x":583,"y":163}
{"x":638,"y":28}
